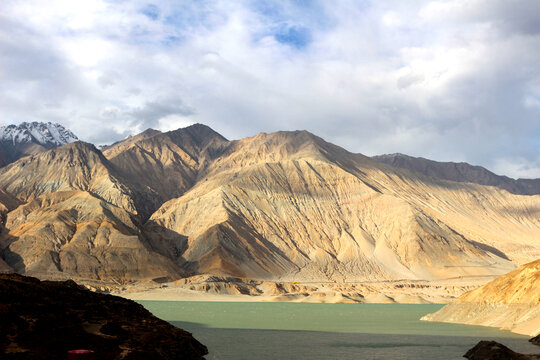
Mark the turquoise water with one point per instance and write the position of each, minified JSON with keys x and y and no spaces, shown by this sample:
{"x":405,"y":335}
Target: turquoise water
{"x":326,"y":331}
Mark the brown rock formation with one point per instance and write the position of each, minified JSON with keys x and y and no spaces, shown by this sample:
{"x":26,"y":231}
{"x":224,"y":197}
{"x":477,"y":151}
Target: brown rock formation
{"x":76,"y":166}
{"x":43,"y":320}
{"x":289,"y":205}
{"x":168,"y":163}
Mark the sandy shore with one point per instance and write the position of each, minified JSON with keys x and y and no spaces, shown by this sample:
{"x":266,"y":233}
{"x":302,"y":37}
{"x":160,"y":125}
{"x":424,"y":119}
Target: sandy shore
{"x":213,"y":288}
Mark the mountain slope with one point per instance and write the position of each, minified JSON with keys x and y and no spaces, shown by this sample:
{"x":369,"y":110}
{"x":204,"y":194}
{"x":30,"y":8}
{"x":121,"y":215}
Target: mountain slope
{"x":17,"y":141}
{"x":76,"y":166}
{"x":167,"y":163}
{"x":325,"y":213}
{"x":73,"y":234}
{"x":461,"y":172}
{"x":511,"y":301}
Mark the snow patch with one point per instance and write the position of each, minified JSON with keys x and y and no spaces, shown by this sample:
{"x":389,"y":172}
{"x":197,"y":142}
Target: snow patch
{"x":46,"y":134}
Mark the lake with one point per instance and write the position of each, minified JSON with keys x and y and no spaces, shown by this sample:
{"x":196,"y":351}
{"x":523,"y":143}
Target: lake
{"x":255,"y":330}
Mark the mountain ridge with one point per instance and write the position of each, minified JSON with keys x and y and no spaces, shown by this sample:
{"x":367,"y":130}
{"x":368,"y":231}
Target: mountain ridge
{"x":280,"y":206}
{"x":461,"y":172}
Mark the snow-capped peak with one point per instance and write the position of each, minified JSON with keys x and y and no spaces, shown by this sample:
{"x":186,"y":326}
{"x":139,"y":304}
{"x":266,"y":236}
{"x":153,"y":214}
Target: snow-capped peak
{"x":47,"y":134}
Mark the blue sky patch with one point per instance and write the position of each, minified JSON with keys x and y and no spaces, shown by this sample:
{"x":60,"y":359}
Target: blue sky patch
{"x":296,"y":36}
{"x":151,"y":11}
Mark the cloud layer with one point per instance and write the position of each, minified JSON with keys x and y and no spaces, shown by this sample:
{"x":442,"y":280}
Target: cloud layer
{"x":450,"y":80}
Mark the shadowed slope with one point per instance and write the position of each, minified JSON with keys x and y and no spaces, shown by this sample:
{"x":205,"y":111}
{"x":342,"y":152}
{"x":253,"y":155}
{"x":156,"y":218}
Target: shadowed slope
{"x":44,"y":320}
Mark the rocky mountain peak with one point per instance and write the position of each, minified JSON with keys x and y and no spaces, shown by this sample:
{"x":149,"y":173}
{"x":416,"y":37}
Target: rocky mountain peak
{"x":47,"y":134}
{"x":17,"y":141}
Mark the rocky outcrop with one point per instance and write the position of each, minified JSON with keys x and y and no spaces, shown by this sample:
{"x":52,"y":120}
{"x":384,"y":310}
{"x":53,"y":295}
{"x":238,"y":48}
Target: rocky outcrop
{"x":43,"y":320}
{"x":511,"y":301}
{"x":492,"y":350}
{"x":461,"y":172}
{"x":7,"y":203}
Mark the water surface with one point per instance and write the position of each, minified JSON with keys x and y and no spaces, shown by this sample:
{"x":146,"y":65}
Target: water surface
{"x":236,"y":330}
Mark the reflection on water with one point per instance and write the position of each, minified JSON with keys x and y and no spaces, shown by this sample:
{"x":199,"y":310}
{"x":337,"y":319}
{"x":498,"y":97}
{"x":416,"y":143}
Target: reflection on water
{"x":326,"y":331}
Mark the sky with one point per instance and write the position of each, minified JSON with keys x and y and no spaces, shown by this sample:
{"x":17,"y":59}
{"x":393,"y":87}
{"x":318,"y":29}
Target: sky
{"x":454,"y":80}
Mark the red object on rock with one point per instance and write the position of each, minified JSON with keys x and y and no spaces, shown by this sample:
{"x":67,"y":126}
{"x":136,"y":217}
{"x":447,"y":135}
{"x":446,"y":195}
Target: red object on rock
{"x":80,"y":355}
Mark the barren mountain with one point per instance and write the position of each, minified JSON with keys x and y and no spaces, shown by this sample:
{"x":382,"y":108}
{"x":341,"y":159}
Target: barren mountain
{"x":511,"y":301}
{"x":130,"y":140}
{"x":73,"y":234}
{"x":17,"y":141}
{"x":76,"y":166}
{"x":289,"y":205}
{"x":167,"y":163}
{"x":284,"y":206}
{"x":461,"y":172}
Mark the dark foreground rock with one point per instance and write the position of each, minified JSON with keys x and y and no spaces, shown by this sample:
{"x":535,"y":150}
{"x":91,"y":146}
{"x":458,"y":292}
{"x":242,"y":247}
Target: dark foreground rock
{"x":492,"y":350}
{"x":536,"y":340}
{"x":45,"y":319}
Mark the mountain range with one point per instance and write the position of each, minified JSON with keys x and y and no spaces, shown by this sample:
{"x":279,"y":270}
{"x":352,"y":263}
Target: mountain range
{"x":281,"y":206}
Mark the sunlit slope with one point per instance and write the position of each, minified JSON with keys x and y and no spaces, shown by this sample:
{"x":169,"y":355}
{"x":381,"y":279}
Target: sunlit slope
{"x":73,"y":234}
{"x":512,"y":301}
{"x":289,"y":205}
{"x":76,"y":166}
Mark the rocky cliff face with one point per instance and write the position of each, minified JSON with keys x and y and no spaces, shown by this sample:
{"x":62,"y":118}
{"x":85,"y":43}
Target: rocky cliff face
{"x":46,"y":319}
{"x":286,"y":205}
{"x":511,"y":301}
{"x":461,"y":172}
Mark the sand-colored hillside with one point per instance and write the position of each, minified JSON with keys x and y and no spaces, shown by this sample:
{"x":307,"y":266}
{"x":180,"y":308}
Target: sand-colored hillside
{"x":511,"y":301}
{"x":76,"y":166}
{"x":290,"y":206}
{"x":73,"y":234}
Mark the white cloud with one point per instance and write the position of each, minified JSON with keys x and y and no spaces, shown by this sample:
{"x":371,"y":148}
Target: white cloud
{"x":452,"y":80}
{"x":518,"y":167}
